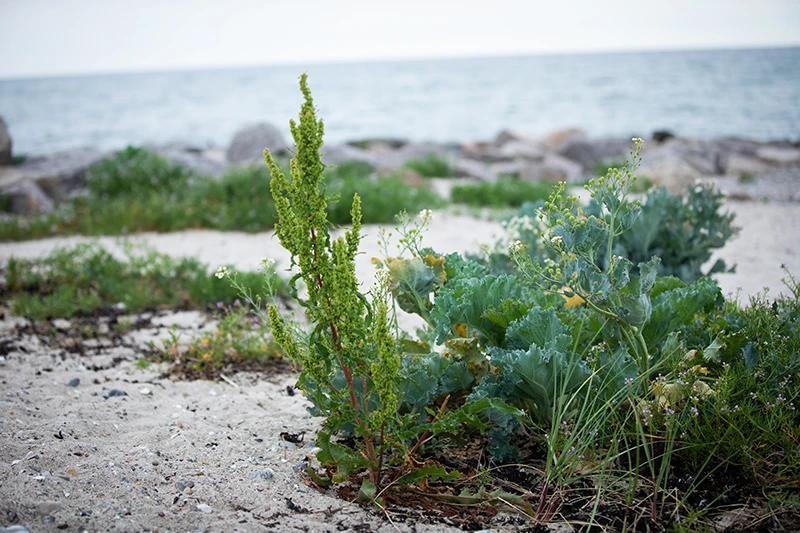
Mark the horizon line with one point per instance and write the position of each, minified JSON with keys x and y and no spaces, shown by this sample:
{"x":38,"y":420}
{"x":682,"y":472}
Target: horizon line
{"x":407,"y":59}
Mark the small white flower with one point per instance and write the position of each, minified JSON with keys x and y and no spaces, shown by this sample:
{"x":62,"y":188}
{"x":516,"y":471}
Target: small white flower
{"x":637,"y":140}
{"x":556,"y":239}
{"x":516,"y":246}
{"x":222,"y":272}
{"x":426,"y":215}
{"x":267,"y":262}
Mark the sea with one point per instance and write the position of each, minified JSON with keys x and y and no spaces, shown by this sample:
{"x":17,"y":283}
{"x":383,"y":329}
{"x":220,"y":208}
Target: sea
{"x":751,"y":93}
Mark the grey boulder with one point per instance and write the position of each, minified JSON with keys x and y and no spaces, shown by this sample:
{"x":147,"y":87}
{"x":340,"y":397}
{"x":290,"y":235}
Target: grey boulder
{"x":248,"y":143}
{"x":5,"y":144}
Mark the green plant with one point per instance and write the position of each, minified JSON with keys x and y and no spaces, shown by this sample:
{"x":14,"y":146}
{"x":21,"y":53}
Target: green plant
{"x":241,"y":339}
{"x":504,"y":192}
{"x":432,"y":166}
{"x":88,"y":278}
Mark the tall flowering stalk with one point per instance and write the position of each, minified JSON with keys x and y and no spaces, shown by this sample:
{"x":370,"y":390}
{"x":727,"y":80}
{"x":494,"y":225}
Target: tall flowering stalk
{"x":349,"y":360}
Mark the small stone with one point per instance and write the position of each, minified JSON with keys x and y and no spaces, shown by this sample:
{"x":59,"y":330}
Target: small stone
{"x":62,"y":526}
{"x":184,"y":484}
{"x":48,"y":520}
{"x":203,"y":508}
{"x":48,"y":507}
{"x":155,"y":462}
{"x":187,"y":491}
{"x":13,"y":529}
{"x":115,"y":392}
{"x":145,"y":391}
{"x":74,"y":382}
{"x":263,"y":474}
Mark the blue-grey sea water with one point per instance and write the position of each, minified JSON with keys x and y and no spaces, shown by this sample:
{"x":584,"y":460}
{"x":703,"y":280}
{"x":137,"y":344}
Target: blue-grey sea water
{"x":703,"y":94}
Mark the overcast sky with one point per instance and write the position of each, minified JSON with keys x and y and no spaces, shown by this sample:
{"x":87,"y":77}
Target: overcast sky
{"x":46,"y":37}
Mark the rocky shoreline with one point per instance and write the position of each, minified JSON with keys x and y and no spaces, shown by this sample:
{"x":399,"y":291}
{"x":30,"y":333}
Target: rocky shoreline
{"x":742,"y":169}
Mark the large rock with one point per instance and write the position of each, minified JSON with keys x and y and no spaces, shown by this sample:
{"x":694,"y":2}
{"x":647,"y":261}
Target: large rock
{"x":248,"y":143}
{"x":470,"y":168}
{"x":779,"y":155}
{"x":201,"y":162}
{"x":555,"y":140}
{"x":589,"y":153}
{"x":5,"y":144}
{"x":672,"y":172}
{"x":57,"y":174}
{"x":524,"y":149}
{"x":27,"y":198}
{"x":554,"y":168}
{"x":336,"y":154}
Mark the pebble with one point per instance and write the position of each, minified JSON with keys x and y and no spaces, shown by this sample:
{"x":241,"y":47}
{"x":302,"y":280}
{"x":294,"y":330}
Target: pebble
{"x":74,"y":382}
{"x":263,"y":474}
{"x":203,"y":508}
{"x":13,"y":529}
{"x":115,"y":392}
{"x":184,"y":484}
{"x":145,"y":391}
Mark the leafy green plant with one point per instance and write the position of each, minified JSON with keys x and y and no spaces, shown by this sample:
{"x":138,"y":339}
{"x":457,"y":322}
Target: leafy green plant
{"x":504,"y":192}
{"x":432,"y":166}
{"x":88,"y":278}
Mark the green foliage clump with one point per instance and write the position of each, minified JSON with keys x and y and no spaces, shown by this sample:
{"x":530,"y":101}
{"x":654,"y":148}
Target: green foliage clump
{"x":88,"y":278}
{"x":505,"y":192}
{"x":241,"y":339}
{"x":138,"y":190}
{"x":432,"y":166}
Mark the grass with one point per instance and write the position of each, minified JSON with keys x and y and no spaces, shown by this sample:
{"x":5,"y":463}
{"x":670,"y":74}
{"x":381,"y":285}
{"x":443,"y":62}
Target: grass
{"x":138,"y":191}
{"x":505,"y":192}
{"x":241,"y":339}
{"x":88,"y":279}
{"x":432,"y":166}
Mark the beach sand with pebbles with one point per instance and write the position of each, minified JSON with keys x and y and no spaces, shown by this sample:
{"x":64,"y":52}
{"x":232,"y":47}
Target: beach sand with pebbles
{"x":90,"y":442}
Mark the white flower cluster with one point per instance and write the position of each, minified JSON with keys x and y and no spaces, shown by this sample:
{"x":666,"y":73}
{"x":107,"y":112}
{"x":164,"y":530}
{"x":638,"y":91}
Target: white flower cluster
{"x":222,"y":272}
{"x":267,"y":263}
{"x":426,"y":215}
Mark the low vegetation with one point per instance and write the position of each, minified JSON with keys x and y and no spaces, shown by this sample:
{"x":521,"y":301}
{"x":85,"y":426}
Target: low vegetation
{"x":431,"y":166}
{"x":138,"y":190}
{"x":88,"y":280}
{"x":505,"y":192}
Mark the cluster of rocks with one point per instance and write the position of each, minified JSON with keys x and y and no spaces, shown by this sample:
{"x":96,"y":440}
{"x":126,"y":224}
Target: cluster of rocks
{"x":743,"y":169}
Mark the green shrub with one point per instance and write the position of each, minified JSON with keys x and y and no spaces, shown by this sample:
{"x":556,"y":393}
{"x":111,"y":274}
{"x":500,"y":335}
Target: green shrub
{"x":505,"y":192}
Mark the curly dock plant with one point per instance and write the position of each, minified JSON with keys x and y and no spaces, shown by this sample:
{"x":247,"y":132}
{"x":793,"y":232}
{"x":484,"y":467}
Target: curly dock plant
{"x":349,"y":360}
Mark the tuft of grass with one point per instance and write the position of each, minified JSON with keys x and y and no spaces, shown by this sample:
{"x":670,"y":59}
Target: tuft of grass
{"x":505,"y":192}
{"x":88,"y":279}
{"x":17,"y":160}
{"x":432,"y":166}
{"x":241,"y":339}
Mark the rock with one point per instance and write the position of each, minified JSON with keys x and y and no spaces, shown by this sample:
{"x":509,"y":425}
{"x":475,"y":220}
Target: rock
{"x":508,"y":168}
{"x":5,"y":144}
{"x":339,"y":153}
{"x":59,"y":173}
{"x":48,"y":507}
{"x":589,"y":153}
{"x":469,"y":168}
{"x":182,"y":484}
{"x":556,"y":139}
{"x":248,"y":143}
{"x":552,"y":168}
{"x":180,"y":319}
{"x":672,"y":172}
{"x":115,"y":392}
{"x":484,"y":152}
{"x":779,"y":155}
{"x":371,"y":144}
{"x":27,"y":198}
{"x":740,"y":165}
{"x":204,"y":508}
{"x":74,"y":382}
{"x":194,"y":159}
{"x":13,"y":529}
{"x":523,"y":149}
{"x":62,"y":324}
{"x":263,"y":474}
{"x":660,"y":136}
{"x":505,"y":136}
{"x":145,"y":391}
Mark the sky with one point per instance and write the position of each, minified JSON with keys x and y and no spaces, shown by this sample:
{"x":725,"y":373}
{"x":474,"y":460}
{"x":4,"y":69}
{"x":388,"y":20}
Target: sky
{"x":64,"y":37}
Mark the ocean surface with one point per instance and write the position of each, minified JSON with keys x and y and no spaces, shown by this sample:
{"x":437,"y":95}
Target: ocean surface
{"x":703,"y":94}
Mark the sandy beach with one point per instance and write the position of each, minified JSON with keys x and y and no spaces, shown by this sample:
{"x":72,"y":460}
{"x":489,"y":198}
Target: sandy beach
{"x":163,"y":455}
